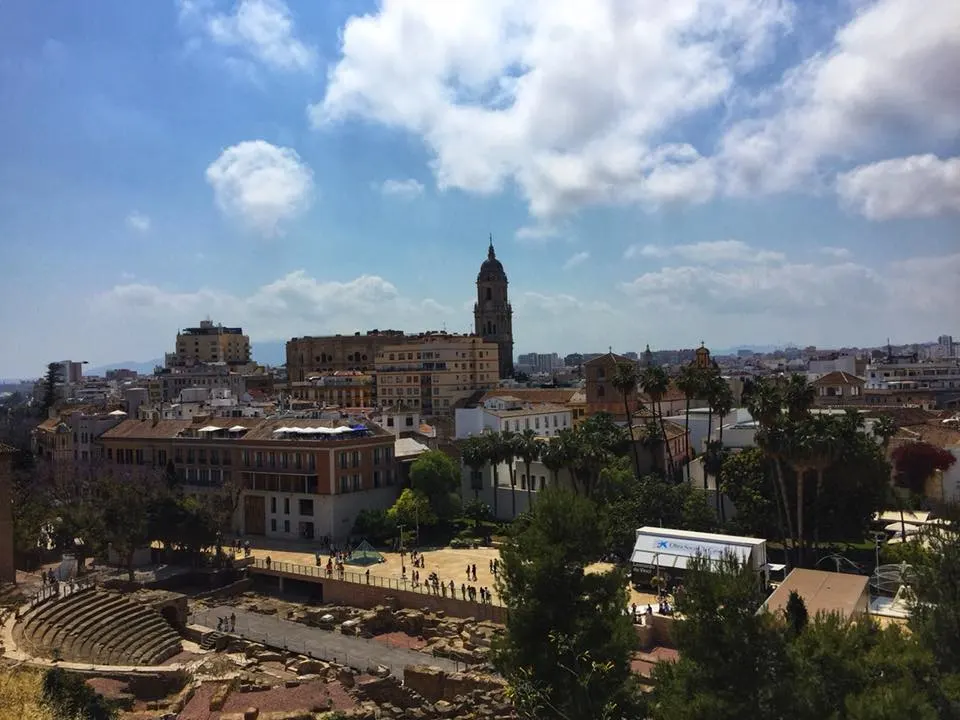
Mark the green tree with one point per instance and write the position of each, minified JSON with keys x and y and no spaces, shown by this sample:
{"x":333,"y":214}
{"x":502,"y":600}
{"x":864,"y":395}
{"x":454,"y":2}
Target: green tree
{"x":688,"y":382}
{"x":558,"y":453}
{"x":566,"y":649}
{"x":125,"y":502}
{"x":655,"y":383}
{"x":412,"y":508}
{"x":733,"y":661}
{"x":437,"y":476}
{"x":68,"y":696}
{"x":796,"y":613}
{"x":528,"y":447}
{"x":473,"y":452}
{"x":747,"y":482}
{"x":625,"y":381}
{"x":377,"y":526}
{"x":508,"y":453}
{"x":721,"y":402}
{"x":50,"y":381}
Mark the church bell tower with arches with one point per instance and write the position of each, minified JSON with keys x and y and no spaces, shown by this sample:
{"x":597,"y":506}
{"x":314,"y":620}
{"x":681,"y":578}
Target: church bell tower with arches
{"x":492,"y":313}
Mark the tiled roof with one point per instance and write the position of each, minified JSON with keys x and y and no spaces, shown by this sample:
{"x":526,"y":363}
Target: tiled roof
{"x":537,"y":409}
{"x":838,"y":377}
{"x":146,"y":429}
{"x":257,"y":428}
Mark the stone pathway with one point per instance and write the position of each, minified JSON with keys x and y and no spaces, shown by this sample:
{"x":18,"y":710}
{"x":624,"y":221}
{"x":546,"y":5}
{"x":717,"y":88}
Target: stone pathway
{"x":327,"y":645}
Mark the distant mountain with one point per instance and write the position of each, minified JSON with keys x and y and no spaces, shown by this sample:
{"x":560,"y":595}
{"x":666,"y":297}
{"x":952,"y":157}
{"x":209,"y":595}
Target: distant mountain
{"x":760,"y":349}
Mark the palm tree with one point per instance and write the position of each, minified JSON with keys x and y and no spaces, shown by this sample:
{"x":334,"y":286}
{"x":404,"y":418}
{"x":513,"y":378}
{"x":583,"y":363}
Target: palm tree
{"x":655,"y":382}
{"x":558,"y":453}
{"x":528,"y":447}
{"x":473,"y":451}
{"x":885,"y":428}
{"x":722,"y":402}
{"x":688,"y":382}
{"x":625,"y":381}
{"x":493,"y":446}
{"x":765,"y":404}
{"x":798,"y":396}
{"x":825,"y":440}
{"x":508,"y":450}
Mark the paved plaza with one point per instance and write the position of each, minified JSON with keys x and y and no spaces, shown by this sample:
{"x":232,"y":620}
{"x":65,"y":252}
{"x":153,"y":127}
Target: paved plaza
{"x":448,"y":563}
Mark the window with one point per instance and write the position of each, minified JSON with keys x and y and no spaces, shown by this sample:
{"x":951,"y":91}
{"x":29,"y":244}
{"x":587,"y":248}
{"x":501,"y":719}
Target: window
{"x":297,"y":461}
{"x":191,"y":476}
{"x":389,"y":477}
{"x":286,"y":526}
{"x":409,"y":421}
{"x":273,"y":524}
{"x":128,"y":457}
{"x":306,"y":507}
{"x":245,"y":458}
{"x":204,"y":476}
{"x":258,"y":460}
{"x":273,"y":505}
{"x":271,"y":459}
{"x":536,"y":422}
{"x":356,"y":458}
{"x":191,"y":456}
{"x":344,"y":484}
{"x":312,"y":462}
{"x":376,"y":478}
{"x":286,"y":506}
{"x":343,"y":460}
{"x":356,"y":482}
{"x":523,"y":482}
{"x":601,"y":391}
{"x":110,"y":453}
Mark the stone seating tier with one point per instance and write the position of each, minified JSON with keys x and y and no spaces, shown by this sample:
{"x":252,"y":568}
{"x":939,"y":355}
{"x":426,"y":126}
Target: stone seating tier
{"x":99,"y":627}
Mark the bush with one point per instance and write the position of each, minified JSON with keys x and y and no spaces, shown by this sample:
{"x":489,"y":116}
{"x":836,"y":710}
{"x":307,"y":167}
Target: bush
{"x":459,"y":543}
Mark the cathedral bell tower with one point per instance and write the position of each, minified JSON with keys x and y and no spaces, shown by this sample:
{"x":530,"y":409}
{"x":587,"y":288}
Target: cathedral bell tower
{"x":492,"y":314}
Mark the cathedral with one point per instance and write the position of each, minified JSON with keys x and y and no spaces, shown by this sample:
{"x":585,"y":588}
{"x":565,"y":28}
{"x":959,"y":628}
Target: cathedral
{"x":492,"y":314}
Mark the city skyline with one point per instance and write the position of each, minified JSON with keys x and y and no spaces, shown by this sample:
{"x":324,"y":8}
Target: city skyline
{"x":300,"y":169}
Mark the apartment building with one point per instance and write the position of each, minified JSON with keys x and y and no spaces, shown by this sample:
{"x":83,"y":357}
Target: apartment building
{"x":68,"y":439}
{"x":321,"y":355}
{"x":905,"y":380}
{"x":210,"y":343}
{"x":174,"y":381}
{"x":291,"y":478}
{"x":341,"y":388}
{"x":431,"y":372}
{"x":505,"y":412}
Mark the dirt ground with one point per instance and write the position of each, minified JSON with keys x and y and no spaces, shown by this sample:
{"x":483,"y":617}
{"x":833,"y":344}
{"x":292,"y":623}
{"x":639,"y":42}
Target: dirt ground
{"x":305,"y":696}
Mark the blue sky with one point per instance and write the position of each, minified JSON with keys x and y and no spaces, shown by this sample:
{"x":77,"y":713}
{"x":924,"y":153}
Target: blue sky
{"x":737,"y":171}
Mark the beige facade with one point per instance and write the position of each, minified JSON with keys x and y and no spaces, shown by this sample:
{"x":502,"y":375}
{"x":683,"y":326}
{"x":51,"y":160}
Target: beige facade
{"x":210,"y":343}
{"x":433,"y":371}
{"x":307,"y":356}
{"x":343,"y":388}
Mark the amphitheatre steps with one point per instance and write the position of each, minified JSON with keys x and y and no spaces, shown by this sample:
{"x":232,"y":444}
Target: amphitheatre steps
{"x":99,"y":627}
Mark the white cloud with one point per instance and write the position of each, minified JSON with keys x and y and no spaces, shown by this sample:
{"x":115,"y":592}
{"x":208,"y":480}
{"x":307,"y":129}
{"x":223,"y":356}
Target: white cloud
{"x":917,"y":186}
{"x":890,"y":74}
{"x":798,"y":301}
{"x":138,"y":221}
{"x":709,"y":252}
{"x":577,"y":258}
{"x":261,"y":184}
{"x":261,"y":29}
{"x":837,"y":252}
{"x":295,"y":304}
{"x":407,"y":189}
{"x":568,"y":100}
{"x":537,"y":232}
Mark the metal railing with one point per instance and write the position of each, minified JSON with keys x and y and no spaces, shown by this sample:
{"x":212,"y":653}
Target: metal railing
{"x":422,"y":587}
{"x":59,"y":589}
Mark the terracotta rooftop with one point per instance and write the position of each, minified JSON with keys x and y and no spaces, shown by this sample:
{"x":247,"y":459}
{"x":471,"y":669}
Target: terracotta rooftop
{"x":257,"y":428}
{"x":838,"y":377}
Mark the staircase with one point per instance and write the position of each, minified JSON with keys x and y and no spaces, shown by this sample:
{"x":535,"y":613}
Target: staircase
{"x":99,"y":627}
{"x":213,"y":640}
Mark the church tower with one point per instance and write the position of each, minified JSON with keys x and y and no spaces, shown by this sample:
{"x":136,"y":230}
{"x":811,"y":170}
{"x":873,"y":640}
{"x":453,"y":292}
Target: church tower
{"x":492,"y":314}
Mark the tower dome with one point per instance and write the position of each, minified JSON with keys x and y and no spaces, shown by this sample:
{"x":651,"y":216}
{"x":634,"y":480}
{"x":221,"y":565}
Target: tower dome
{"x":492,"y":313}
{"x":491,"y":269}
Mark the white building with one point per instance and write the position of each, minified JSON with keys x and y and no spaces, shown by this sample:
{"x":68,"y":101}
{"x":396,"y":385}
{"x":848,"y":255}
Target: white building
{"x":845,"y":364}
{"x":506,"y":412}
{"x":700,"y":420}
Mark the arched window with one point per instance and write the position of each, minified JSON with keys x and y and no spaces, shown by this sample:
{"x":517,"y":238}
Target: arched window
{"x":489,"y":294}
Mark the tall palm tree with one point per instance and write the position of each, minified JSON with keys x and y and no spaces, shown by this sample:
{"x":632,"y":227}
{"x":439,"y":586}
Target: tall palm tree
{"x":765,"y":404}
{"x":826,"y":445}
{"x":528,"y":447}
{"x":508,"y":453}
{"x":473,"y":451}
{"x":655,"y":382}
{"x":722,"y":401}
{"x":802,"y":451}
{"x":798,"y":396}
{"x":493,"y":446}
{"x":625,"y":381}
{"x":688,"y":382}
{"x":885,"y":427}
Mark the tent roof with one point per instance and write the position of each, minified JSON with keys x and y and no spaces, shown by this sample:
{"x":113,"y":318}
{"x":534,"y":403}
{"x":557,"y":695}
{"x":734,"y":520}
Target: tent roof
{"x":668,"y":548}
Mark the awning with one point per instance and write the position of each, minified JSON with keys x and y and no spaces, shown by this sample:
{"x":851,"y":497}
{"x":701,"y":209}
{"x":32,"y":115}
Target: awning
{"x":237,"y":428}
{"x":210,"y":428}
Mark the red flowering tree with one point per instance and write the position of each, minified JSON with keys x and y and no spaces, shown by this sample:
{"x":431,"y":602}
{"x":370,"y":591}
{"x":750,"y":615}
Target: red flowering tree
{"x":915,"y":462}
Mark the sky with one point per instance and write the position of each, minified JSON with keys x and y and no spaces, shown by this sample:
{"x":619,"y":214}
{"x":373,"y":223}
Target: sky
{"x":731,"y":171}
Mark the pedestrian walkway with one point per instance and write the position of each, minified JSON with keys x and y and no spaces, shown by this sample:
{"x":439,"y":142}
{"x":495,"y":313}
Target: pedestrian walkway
{"x":354,"y":652}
